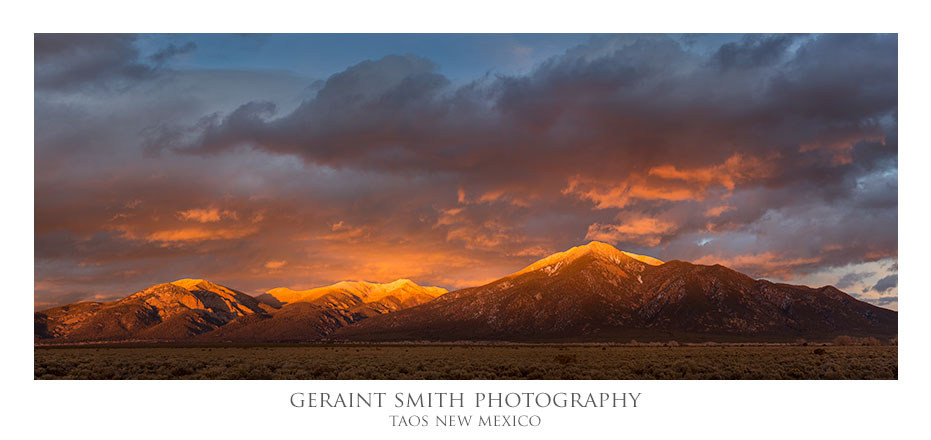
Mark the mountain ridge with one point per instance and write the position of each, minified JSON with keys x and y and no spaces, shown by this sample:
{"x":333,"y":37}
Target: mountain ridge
{"x":402,"y":289}
{"x":195,"y":309}
{"x":596,"y":292}
{"x":173,"y":310}
{"x":588,"y":292}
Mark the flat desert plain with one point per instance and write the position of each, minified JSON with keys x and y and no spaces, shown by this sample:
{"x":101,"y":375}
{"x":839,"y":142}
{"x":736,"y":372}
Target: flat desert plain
{"x":467,"y":361}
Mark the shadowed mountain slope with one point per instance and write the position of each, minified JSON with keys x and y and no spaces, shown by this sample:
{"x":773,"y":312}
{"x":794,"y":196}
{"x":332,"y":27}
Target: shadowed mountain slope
{"x":316,"y":313}
{"x":194,"y":309}
{"x":167,"y":311}
{"x":596,"y":292}
{"x":588,"y":293}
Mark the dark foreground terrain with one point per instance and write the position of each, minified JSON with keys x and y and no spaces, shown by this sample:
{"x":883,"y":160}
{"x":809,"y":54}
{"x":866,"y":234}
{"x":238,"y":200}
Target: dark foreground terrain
{"x":467,"y":362}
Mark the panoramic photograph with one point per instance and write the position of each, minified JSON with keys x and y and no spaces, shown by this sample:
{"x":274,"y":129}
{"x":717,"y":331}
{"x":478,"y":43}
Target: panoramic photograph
{"x":466,"y":206}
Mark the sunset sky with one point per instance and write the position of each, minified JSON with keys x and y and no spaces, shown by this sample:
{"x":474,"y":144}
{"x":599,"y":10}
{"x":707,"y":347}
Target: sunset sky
{"x":262,"y":161}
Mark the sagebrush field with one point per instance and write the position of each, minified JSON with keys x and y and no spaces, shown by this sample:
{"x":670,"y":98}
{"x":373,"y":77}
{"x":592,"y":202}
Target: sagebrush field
{"x":467,"y":362}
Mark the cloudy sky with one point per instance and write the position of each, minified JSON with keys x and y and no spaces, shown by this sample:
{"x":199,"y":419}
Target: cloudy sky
{"x":261,"y":161}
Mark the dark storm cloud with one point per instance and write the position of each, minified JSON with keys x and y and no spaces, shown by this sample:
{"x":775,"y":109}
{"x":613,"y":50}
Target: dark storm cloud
{"x":885,"y":284}
{"x":171,"y":51}
{"x":752,"y":51}
{"x":842,"y":81}
{"x":795,"y":121}
{"x":886,"y":300}
{"x":617,"y":106}
{"x":775,"y":155}
{"x":66,"y":61}
{"x":852,"y":278}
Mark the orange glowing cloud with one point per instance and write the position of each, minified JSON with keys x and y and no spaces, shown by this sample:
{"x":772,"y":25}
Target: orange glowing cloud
{"x":533,"y":251}
{"x":177,"y":229}
{"x":645,"y":231}
{"x":487,"y":235}
{"x":667,"y":182}
{"x":340,"y":231}
{"x":490,"y":197}
{"x":840,"y":146}
{"x":461,"y":195}
{"x":475,"y":233}
{"x":275,"y":264}
{"x":197,"y":234}
{"x":619,"y":195}
{"x":763,"y":264}
{"x":718,"y":210}
{"x":209,"y":215}
{"x":734,"y":170}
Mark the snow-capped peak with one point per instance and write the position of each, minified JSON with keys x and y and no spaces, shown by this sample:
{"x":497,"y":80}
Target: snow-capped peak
{"x":365,"y":290}
{"x":552,"y":263}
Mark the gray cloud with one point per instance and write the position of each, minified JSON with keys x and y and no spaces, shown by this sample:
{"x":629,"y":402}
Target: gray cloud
{"x":811,"y":121}
{"x":885,"y":301}
{"x":604,"y":110}
{"x":885,"y":284}
{"x":66,"y":61}
{"x":623,"y":99}
{"x":852,"y":278}
{"x":172,"y":51}
{"x":753,"y":51}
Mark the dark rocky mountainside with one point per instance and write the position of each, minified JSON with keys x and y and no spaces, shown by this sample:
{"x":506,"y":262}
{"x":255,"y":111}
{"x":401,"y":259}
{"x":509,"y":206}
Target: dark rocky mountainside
{"x":588,"y":293}
{"x":169,"y":311}
{"x":596,"y":292}
{"x":316,"y":313}
{"x":199,"y":310}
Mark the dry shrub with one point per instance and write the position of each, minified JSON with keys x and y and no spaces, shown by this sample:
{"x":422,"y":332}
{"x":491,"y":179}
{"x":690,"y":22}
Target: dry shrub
{"x":643,"y":362}
{"x":566,"y":359}
{"x":854,"y":341}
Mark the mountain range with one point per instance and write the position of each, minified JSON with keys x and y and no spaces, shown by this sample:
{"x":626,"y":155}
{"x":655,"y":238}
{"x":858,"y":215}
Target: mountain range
{"x":593,"y":292}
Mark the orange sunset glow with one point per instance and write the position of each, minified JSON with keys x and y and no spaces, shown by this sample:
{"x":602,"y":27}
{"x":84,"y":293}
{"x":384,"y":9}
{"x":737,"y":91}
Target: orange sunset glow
{"x":455,"y":162}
